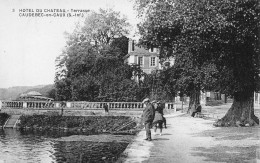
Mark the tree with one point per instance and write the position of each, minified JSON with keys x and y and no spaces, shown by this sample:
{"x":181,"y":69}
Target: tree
{"x":158,"y":86}
{"x":163,"y":27}
{"x":216,"y":45}
{"x":239,"y":56}
{"x":63,"y":89}
{"x":91,"y":67}
{"x":121,"y":44}
{"x":100,"y":28}
{"x":52,"y":93}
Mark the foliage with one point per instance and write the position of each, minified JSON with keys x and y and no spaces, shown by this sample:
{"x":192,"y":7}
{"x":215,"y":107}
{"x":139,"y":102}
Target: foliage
{"x":121,"y":45}
{"x":95,"y":124}
{"x":163,"y":27}
{"x":103,"y":27}
{"x":215,"y":43}
{"x":3,"y":118}
{"x":52,"y":93}
{"x":91,"y":67}
{"x":63,"y":89}
{"x":158,"y":86}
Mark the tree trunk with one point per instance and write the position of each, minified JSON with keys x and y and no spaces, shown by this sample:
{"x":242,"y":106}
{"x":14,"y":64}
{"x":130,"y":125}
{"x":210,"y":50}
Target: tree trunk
{"x":241,"y":112}
{"x":194,"y":99}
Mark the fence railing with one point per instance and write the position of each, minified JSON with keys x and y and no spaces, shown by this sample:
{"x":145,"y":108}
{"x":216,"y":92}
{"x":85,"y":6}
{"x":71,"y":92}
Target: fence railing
{"x":78,"y":105}
{"x":30,"y":104}
{"x":100,"y":105}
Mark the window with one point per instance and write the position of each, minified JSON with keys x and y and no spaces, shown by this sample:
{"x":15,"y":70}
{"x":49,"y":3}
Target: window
{"x":152,"y":61}
{"x":133,"y":45}
{"x":140,"y":61}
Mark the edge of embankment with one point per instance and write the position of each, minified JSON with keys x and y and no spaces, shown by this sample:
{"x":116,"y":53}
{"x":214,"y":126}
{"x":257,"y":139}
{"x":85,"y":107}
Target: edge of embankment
{"x":138,"y":149}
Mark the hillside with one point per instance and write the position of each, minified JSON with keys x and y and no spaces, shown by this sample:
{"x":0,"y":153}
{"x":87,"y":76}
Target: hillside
{"x":13,"y":92}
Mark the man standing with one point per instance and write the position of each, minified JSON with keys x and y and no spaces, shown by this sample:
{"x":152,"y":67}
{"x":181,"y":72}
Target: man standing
{"x":147,"y":117}
{"x":63,"y":105}
{"x":106,"y":108}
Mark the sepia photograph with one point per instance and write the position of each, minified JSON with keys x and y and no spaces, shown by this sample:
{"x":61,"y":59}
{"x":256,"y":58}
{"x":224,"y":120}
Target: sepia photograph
{"x":129,"y":81}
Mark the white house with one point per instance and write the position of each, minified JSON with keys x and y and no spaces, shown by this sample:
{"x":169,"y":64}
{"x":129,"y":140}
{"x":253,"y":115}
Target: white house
{"x":148,"y":59}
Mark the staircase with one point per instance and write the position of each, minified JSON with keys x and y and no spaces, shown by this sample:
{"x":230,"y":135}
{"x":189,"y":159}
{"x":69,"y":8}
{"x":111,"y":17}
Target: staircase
{"x":11,"y":122}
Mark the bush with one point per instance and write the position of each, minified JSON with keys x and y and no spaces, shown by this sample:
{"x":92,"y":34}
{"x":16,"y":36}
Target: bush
{"x":93,"y":124}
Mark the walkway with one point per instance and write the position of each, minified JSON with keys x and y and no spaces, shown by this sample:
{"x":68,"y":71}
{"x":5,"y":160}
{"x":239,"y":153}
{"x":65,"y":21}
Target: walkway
{"x":195,"y":140}
{"x":11,"y":122}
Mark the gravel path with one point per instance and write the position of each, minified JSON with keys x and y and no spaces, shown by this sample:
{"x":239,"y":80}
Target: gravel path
{"x":196,"y":140}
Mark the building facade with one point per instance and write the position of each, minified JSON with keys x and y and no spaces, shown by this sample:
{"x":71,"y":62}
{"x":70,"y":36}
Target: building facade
{"x":147,"y":59}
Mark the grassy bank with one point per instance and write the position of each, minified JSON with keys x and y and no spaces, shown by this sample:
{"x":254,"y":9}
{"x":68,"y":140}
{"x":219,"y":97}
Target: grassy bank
{"x":3,"y":118}
{"x":88,"y":124}
{"x":78,"y":151}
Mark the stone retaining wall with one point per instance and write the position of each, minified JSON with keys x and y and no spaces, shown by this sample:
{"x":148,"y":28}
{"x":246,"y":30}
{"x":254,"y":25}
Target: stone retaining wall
{"x":70,"y":111}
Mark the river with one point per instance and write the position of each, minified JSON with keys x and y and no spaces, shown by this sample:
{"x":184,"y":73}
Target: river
{"x":33,"y":147}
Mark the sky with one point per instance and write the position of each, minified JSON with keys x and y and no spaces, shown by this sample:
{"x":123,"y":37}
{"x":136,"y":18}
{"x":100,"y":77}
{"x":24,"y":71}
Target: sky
{"x":29,"y":45}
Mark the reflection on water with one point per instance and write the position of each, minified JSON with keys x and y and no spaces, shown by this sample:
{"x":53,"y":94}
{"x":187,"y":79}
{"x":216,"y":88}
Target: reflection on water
{"x":24,"y":147}
{"x":16,"y":147}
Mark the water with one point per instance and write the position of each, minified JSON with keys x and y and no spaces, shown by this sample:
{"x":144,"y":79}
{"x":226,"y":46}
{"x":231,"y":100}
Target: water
{"x":28,"y":147}
{"x":16,"y":147}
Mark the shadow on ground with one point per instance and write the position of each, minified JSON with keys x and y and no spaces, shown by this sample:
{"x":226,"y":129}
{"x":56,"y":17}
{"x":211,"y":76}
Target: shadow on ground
{"x":231,"y":144}
{"x":166,"y":134}
{"x":227,"y":154}
{"x":231,"y":133}
{"x":159,"y":139}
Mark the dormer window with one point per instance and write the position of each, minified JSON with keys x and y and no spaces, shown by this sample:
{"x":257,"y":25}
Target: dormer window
{"x":153,"y":50}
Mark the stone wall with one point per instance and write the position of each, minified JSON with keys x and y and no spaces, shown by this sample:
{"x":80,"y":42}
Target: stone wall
{"x":78,"y":108}
{"x":69,"y":111}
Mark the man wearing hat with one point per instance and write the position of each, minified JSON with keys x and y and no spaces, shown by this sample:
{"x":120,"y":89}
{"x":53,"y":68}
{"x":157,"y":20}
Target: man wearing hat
{"x":147,"y":117}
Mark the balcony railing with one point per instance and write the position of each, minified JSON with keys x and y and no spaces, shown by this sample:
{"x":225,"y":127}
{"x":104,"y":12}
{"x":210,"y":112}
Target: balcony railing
{"x":77,"y":105}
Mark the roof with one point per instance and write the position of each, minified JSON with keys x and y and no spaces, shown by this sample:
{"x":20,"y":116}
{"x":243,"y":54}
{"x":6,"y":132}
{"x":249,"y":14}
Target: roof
{"x":33,"y":98}
{"x":141,"y":51}
{"x":33,"y":93}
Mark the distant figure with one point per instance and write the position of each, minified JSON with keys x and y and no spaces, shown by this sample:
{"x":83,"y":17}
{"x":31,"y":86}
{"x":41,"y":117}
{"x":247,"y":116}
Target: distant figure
{"x":106,"y":108}
{"x":63,"y":105}
{"x":158,"y":118}
{"x":162,"y":107}
{"x":147,"y":117}
{"x":197,"y":110}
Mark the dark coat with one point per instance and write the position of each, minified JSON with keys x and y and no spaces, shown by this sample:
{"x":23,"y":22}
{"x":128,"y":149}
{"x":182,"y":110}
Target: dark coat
{"x":198,"y":108}
{"x":106,"y":107}
{"x":158,"y":114}
{"x":148,"y":113}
